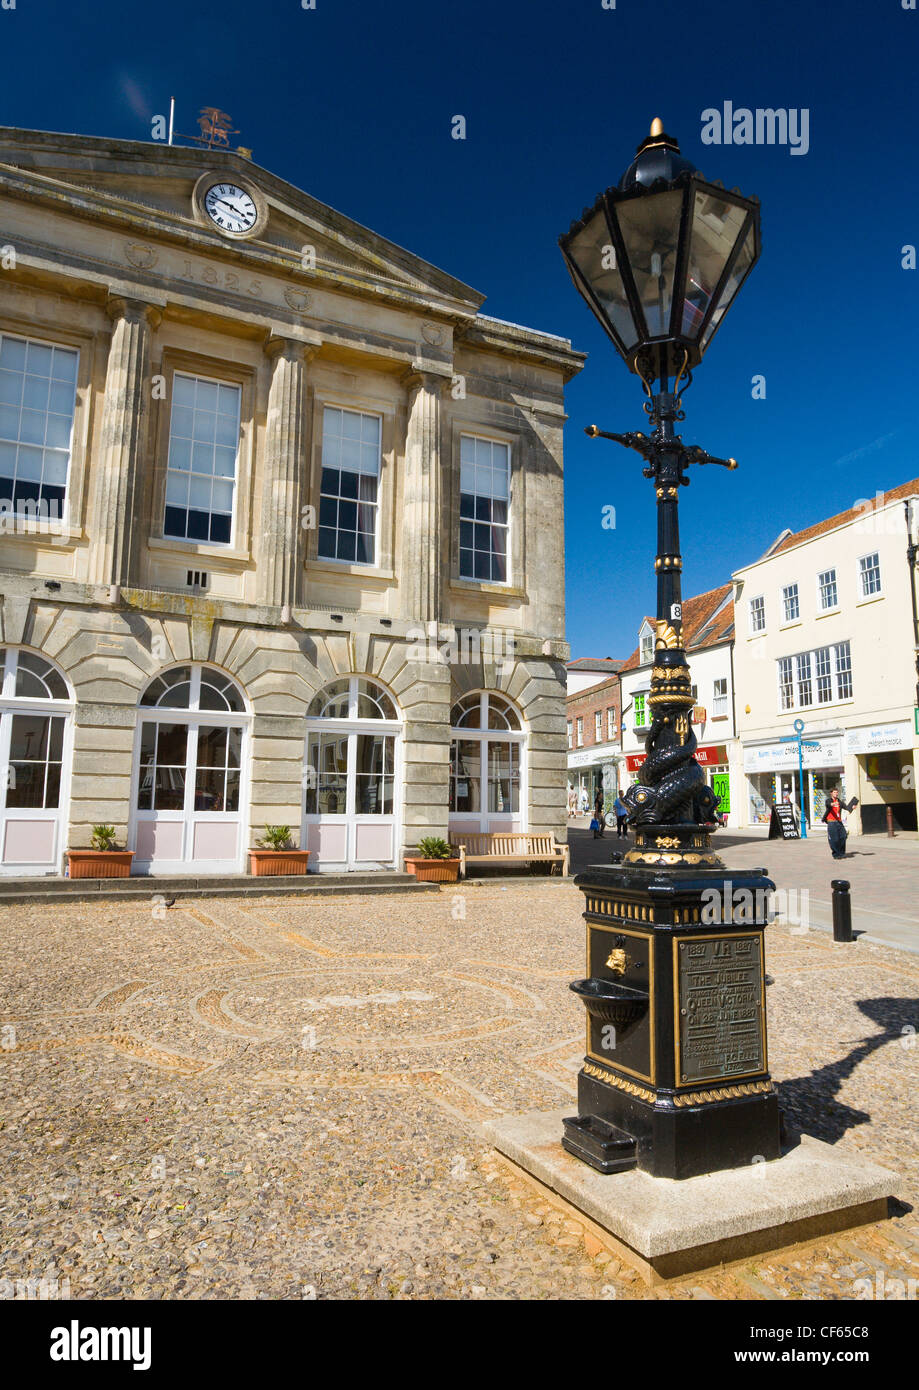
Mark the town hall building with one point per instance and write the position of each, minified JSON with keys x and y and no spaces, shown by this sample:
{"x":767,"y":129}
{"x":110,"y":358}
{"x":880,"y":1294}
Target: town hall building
{"x":280,"y":524}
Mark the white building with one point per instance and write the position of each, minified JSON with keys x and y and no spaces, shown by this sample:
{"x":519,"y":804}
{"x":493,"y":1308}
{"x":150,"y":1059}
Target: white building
{"x":708,"y":632}
{"x":825,"y":635}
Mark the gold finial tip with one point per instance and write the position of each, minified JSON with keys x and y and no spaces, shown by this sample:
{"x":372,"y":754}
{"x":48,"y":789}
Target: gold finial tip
{"x":657,"y":126}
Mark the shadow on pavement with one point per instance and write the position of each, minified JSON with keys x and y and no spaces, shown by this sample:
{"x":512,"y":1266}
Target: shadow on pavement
{"x":809,"y":1103}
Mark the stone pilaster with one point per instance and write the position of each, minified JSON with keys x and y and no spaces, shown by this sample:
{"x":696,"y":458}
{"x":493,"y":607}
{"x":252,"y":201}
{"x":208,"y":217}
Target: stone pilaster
{"x":113,"y":522}
{"x":422,"y":499}
{"x":279,"y":557}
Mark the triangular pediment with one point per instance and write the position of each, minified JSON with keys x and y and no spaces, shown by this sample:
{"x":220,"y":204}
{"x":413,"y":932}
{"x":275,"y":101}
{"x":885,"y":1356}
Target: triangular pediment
{"x":129,"y":180}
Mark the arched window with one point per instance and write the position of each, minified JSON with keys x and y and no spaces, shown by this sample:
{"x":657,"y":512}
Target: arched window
{"x":36,"y":706}
{"x":350,"y":777}
{"x":194,"y":688}
{"x":486,"y":763}
{"x":352,"y":697}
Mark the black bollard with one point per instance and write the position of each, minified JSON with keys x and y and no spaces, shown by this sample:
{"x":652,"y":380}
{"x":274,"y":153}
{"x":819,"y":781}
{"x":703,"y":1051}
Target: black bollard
{"x":842,"y":910}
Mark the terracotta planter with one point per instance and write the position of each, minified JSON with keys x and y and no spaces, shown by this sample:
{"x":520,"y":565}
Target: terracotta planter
{"x":434,"y":870}
{"x":266,"y":862}
{"x":100,"y":863}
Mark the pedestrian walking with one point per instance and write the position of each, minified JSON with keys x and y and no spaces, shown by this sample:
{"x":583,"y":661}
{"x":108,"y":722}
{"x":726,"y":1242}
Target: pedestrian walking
{"x":584,"y":801}
{"x":622,"y":817}
{"x":598,"y":815}
{"x":836,"y":831}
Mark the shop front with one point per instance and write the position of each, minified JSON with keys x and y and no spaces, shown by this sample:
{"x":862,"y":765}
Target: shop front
{"x":713,"y":759}
{"x":885,"y":758}
{"x":591,"y":770}
{"x":772,"y":774}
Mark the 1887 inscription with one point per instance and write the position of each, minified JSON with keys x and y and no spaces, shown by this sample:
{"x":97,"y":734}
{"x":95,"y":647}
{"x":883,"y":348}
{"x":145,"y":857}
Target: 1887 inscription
{"x":720,"y":1002}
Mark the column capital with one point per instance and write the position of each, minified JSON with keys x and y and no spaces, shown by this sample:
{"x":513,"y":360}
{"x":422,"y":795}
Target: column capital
{"x":293,"y":349}
{"x":421,"y":376}
{"x":122,"y":306}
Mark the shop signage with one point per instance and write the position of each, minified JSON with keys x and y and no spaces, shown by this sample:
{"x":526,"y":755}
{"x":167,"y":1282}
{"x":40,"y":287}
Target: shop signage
{"x":879,"y":738}
{"x":710,"y":755}
{"x":782,"y":757}
{"x":782,"y":825}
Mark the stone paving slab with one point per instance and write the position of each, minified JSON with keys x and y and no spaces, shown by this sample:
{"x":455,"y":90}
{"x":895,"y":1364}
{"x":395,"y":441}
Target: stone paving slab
{"x":284,"y":1098}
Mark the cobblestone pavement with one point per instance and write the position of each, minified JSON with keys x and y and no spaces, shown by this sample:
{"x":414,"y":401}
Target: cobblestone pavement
{"x":279,"y":1098}
{"x":884,"y":875}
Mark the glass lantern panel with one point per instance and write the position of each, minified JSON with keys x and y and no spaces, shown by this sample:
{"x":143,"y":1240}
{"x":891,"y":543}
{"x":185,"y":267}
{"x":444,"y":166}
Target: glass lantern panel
{"x":735,"y":280}
{"x":595,"y":256}
{"x":650,"y":228}
{"x":716,"y":224}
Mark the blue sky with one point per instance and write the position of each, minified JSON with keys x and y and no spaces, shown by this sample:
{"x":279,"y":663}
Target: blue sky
{"x":353,"y":102}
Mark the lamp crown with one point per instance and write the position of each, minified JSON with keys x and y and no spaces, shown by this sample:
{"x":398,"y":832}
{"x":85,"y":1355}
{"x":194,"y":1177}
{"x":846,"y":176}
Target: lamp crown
{"x":657,"y":126}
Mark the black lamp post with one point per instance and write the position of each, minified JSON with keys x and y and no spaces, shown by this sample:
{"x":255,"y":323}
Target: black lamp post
{"x":675,"y":1080}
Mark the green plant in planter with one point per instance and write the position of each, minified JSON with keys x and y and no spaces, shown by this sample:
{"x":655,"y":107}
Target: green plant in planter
{"x":103,"y":837}
{"x":276,"y":837}
{"x":433,"y":847}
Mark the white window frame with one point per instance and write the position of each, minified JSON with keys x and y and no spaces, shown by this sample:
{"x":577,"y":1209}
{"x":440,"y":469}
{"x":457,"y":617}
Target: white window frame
{"x":642,"y":696}
{"x":789,"y":597}
{"x":570,"y":735}
{"x":66,"y":511}
{"x":351,"y":409}
{"x":505,"y":444}
{"x":646,"y":648}
{"x":215,"y":546}
{"x":483,"y":735}
{"x":862,"y":574}
{"x":828,"y":607}
{"x":579,"y":731}
{"x":12,"y":704}
{"x":598,"y":726}
{"x":610,"y":723}
{"x":719,"y":699}
{"x":819,"y":668}
{"x":756,"y":629}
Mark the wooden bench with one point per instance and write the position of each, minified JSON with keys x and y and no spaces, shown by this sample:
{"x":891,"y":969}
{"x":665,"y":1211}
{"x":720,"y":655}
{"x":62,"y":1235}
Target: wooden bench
{"x":505,"y":848}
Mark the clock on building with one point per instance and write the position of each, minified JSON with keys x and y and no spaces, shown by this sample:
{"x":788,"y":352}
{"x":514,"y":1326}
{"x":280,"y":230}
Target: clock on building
{"x":234,"y":206}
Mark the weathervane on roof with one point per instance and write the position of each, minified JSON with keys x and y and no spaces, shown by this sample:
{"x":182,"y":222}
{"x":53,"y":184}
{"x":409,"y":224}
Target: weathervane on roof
{"x":215,"y":126}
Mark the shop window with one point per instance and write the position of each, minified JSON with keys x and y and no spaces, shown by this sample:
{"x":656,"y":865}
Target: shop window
{"x":201,"y":468}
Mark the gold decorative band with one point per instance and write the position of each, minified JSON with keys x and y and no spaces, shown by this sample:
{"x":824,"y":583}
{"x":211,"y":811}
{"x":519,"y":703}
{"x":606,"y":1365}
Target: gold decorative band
{"x":611,"y":1079}
{"x":752,"y":1088}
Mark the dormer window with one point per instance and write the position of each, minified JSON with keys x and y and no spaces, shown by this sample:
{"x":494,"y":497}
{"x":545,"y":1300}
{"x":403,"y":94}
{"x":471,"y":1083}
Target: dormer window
{"x":647,"y":645}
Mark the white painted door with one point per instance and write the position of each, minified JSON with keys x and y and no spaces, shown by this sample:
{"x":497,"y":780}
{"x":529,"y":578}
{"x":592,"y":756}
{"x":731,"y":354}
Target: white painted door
{"x":188,"y":812}
{"x":350,"y":818}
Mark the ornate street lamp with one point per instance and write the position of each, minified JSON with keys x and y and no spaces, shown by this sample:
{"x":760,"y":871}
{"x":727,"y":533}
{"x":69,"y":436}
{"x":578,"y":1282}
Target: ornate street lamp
{"x":675,"y":1080}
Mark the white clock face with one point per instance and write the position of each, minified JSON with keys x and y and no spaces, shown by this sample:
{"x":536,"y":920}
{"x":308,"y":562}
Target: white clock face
{"x":230,"y":207}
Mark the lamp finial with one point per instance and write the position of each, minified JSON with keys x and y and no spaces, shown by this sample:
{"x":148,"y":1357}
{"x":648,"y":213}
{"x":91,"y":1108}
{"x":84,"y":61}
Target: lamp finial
{"x":657,"y":126}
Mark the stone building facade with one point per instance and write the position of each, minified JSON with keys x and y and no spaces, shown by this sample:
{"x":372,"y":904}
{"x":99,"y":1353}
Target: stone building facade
{"x":280,"y":523}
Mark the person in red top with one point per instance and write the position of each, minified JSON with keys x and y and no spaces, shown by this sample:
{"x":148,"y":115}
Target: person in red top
{"x":836,"y":831}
